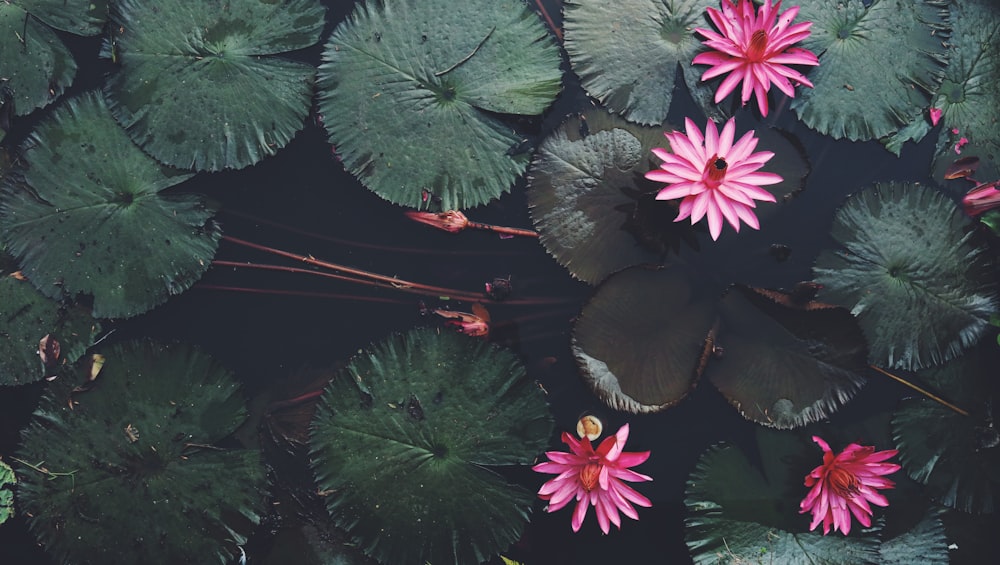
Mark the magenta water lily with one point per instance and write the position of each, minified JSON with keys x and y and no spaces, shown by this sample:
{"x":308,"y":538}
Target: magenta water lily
{"x":846,"y":484}
{"x":715,"y":177}
{"x":755,"y":48}
{"x":594,"y":478}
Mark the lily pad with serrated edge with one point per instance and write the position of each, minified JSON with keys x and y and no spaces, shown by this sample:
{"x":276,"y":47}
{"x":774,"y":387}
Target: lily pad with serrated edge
{"x":639,"y":340}
{"x":597,"y":214}
{"x":202,"y":85}
{"x":912,"y":273}
{"x":968,"y":98}
{"x":7,"y":482}
{"x":878,"y":65}
{"x":25,"y":318}
{"x":91,"y":217}
{"x":784,"y":363}
{"x":627,"y":52}
{"x":413,"y":93}
{"x":746,"y":510}
{"x":147,"y":439}
{"x":36,"y":65}
{"x":957,"y":456}
{"x":405,"y":439}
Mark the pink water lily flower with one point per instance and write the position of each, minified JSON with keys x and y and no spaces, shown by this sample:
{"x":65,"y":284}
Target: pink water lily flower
{"x":982,"y":198}
{"x":845,"y":484}
{"x":714,"y":176}
{"x":755,"y":47}
{"x":594,"y":478}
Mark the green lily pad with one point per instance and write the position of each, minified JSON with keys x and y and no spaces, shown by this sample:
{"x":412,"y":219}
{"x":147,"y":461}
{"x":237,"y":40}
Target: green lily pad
{"x":741,"y":513}
{"x":79,"y":17}
{"x":201,"y":86}
{"x":745,"y":509}
{"x":148,"y":439}
{"x":413,"y":94}
{"x":784,"y":363}
{"x":36,"y":66}
{"x":25,"y":318}
{"x":957,"y":456}
{"x":589,"y":200}
{"x":7,"y":482}
{"x":626,"y":53}
{"x":912,"y":273}
{"x":968,"y":97}
{"x":878,"y":65}
{"x":91,"y":216}
{"x":404,"y":440}
{"x":639,"y":340}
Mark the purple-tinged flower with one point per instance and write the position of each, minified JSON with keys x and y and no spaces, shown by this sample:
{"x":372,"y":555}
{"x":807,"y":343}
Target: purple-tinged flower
{"x":982,"y":198}
{"x":594,"y":478}
{"x":845,"y":484}
{"x":755,"y":48}
{"x":714,"y":176}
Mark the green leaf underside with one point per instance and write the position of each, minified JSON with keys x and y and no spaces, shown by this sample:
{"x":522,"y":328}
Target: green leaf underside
{"x":25,"y":318}
{"x":912,"y":274}
{"x":412,"y":95}
{"x":739,"y":513}
{"x":401,"y":437}
{"x":878,"y":66}
{"x":638,"y":341}
{"x":945,"y":450}
{"x":584,"y":192}
{"x":90,"y":218}
{"x":786,"y":366}
{"x":36,"y":65}
{"x":199,"y":87}
{"x":968,"y":97}
{"x":79,"y":17}
{"x":627,"y":52}
{"x":196,"y":503}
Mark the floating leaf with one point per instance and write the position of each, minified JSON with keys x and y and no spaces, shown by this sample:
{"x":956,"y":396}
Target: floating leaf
{"x":924,"y":543}
{"x":404,"y":438}
{"x":200,"y":86}
{"x":786,"y":364}
{"x":412,"y":94}
{"x":968,"y":97}
{"x":79,"y":17}
{"x":739,"y":513}
{"x":957,"y":456}
{"x":91,"y":216}
{"x":144,"y":441}
{"x":911,"y":272}
{"x":25,"y":317}
{"x":7,"y":482}
{"x":639,"y":340}
{"x":878,"y":65}
{"x":627,"y":52}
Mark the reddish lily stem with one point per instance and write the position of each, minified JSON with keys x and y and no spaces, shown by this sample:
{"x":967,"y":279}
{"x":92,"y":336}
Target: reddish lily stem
{"x":277,"y":405}
{"x":303,"y":293}
{"x":926,"y":393}
{"x":548,"y":19}
{"x":503,"y":229}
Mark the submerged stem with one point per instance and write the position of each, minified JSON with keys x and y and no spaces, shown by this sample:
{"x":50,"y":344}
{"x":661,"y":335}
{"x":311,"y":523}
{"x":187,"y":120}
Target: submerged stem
{"x":924,"y":392}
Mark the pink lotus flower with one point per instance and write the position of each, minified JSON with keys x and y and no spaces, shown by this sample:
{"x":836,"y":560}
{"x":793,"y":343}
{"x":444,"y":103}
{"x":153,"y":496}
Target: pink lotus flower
{"x":982,"y":198}
{"x":755,"y":48}
{"x":714,"y":176}
{"x":844,"y":485}
{"x":935,"y":114}
{"x":594,"y":478}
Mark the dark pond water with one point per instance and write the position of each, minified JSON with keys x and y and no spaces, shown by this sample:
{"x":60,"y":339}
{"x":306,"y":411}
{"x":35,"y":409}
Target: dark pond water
{"x":266,"y":339}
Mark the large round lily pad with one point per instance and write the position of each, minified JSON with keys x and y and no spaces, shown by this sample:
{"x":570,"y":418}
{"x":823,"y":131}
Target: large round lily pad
{"x":879,"y":64}
{"x":627,"y":53}
{"x":138,"y":468}
{"x":912,"y":273}
{"x":91,"y":216}
{"x":26,"y":317}
{"x":745,"y":509}
{"x":413,"y":94}
{"x":201,"y":86}
{"x":957,"y":456}
{"x":404,"y":441}
{"x":784,"y":363}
